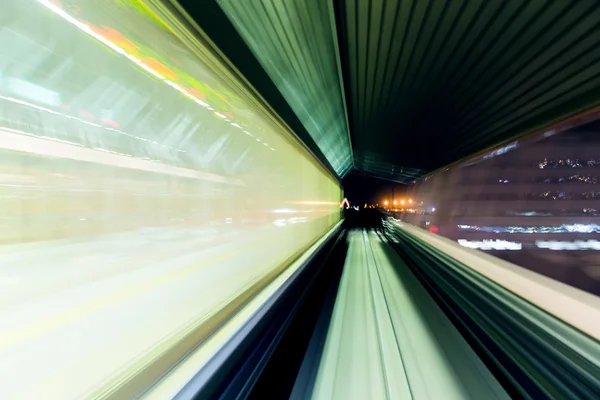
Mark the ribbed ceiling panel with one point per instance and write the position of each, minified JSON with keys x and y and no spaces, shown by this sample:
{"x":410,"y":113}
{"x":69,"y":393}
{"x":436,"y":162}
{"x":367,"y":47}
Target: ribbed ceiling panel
{"x":431,"y":82}
{"x":296,"y":43}
{"x":426,"y":82}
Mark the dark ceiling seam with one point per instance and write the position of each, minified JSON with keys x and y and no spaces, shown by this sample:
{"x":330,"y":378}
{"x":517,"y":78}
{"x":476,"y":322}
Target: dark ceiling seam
{"x":530,"y":36}
{"x":433,"y":36}
{"x":452,"y":39}
{"x":485,"y":40}
{"x":556,"y":58}
{"x":509,"y":106}
{"x":558,"y":115}
{"x":400,"y":54}
{"x":557,"y":69}
{"x":587,"y":101}
{"x":501,"y":53}
{"x":388,"y":58}
{"x":362,"y":54}
{"x":350,"y":18}
{"x":377,"y":23}
{"x":428,"y":40}
{"x":464,"y":60}
{"x":441,"y":48}
{"x":366,"y":58}
{"x":538,"y":107}
{"x":460,"y":39}
{"x":424,"y":20}
{"x":356,"y":76}
{"x":495,"y":87}
{"x":377,"y":59}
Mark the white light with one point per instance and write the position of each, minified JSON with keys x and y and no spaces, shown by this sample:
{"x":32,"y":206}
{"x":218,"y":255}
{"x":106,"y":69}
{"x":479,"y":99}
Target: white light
{"x":220,"y":115}
{"x":132,"y":58}
{"x":564,"y":245}
{"x":564,"y":228}
{"x":490,"y":244}
{"x":176,"y":87}
{"x":17,"y":101}
{"x":13,"y":140}
{"x":153,"y":72}
{"x":284,"y":211}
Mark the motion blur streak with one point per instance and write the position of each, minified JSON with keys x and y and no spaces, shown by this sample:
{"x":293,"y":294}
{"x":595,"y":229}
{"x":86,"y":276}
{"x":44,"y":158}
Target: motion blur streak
{"x":138,"y":191}
{"x":533,"y":203}
{"x":388,"y":339}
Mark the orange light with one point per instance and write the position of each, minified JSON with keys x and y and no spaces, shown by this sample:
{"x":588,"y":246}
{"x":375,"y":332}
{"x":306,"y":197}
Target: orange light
{"x":385,"y":203}
{"x":410,"y":201}
{"x":401,"y":201}
{"x":394,"y":202}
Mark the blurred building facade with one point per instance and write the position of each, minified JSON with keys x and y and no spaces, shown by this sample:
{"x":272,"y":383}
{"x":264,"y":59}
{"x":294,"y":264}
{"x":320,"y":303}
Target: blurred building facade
{"x":535,"y":203}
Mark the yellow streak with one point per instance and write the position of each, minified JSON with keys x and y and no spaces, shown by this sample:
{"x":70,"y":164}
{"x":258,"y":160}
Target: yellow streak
{"x":32,"y":329}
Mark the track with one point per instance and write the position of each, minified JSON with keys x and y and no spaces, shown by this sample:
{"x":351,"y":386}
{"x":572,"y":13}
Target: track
{"x":388,"y":339}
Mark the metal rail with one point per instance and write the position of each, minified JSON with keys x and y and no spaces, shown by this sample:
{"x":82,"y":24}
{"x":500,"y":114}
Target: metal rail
{"x":513,"y":318}
{"x":388,"y":339}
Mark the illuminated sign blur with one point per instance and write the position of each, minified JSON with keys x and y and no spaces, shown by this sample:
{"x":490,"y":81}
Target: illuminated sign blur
{"x":540,"y":244}
{"x":564,"y":228}
{"x":564,"y":245}
{"x":490,"y":244}
{"x":502,"y":150}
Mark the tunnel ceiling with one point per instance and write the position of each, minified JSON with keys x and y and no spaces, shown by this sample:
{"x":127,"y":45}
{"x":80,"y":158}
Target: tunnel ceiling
{"x":424,"y":83}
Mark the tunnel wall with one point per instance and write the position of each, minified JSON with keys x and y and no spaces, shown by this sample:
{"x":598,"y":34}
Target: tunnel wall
{"x":534,"y":202}
{"x":145,"y":194}
{"x":110,"y":124}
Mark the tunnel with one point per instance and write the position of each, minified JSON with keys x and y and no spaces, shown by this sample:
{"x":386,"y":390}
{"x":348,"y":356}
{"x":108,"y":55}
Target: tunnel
{"x":300,"y":199}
